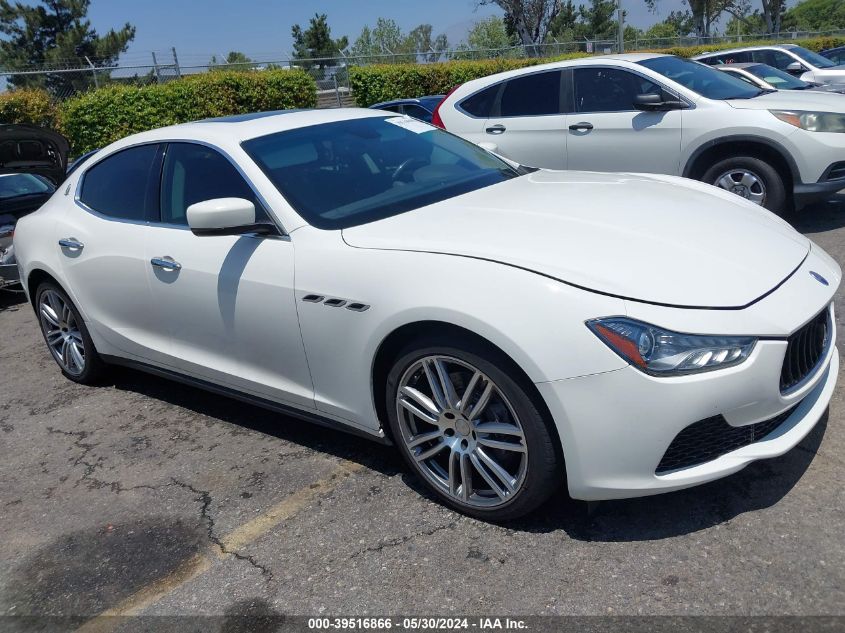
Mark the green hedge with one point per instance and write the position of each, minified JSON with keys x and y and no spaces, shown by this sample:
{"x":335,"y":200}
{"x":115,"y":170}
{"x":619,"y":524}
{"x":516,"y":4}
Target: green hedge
{"x":27,"y":106}
{"x":99,"y":117}
{"x":372,"y":84}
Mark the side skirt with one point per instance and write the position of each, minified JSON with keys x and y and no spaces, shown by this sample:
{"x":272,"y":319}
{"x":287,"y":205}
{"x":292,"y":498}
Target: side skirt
{"x":228,"y":392}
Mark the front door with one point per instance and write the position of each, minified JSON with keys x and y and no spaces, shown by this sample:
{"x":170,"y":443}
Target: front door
{"x":606,"y":133}
{"x":227,"y":301}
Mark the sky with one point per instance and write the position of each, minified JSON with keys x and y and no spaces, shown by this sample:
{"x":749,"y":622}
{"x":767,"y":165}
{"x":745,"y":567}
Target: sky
{"x":261,"y":28}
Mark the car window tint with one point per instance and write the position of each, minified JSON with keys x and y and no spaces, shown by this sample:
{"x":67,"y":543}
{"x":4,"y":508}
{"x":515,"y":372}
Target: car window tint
{"x":194,"y":173}
{"x":532,"y":95}
{"x":481,"y":103}
{"x":609,"y":89}
{"x":739,"y":57}
{"x":775,"y":58}
{"x":119,"y":185}
{"x":418,"y":112}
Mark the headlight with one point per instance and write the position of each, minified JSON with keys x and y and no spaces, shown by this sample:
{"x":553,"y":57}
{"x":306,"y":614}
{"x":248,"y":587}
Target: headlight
{"x":813,"y":121}
{"x":664,"y":353}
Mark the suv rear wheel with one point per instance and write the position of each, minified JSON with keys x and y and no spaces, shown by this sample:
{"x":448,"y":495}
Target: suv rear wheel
{"x":753,"y":179}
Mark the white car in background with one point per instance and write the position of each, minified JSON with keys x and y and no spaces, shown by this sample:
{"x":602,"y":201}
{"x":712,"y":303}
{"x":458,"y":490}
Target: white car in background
{"x":508,"y":329}
{"x":791,"y":58}
{"x":644,"y":112}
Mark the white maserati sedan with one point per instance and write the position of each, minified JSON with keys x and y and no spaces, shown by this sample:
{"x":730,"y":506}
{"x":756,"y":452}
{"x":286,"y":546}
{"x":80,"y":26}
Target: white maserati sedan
{"x":508,"y":329}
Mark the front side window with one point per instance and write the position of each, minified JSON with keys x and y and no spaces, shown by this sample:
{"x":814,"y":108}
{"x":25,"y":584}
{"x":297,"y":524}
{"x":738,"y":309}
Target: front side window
{"x":774,"y":58}
{"x":536,"y":94}
{"x":119,"y":186}
{"x":706,"y":81}
{"x":346,"y":173}
{"x":194,"y":173}
{"x":609,"y":89}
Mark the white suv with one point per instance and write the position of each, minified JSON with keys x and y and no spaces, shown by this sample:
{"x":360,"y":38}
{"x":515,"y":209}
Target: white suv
{"x":658,"y":114}
{"x":796,"y":60}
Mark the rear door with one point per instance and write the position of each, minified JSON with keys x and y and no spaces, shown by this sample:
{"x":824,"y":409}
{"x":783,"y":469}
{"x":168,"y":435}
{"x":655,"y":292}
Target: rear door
{"x":527,"y":123}
{"x":102,"y":243}
{"x":606,"y":132}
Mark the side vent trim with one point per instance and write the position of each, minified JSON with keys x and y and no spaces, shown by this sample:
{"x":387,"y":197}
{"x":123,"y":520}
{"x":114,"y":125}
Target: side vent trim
{"x":335,"y":303}
{"x":358,"y":307}
{"x":313,"y":298}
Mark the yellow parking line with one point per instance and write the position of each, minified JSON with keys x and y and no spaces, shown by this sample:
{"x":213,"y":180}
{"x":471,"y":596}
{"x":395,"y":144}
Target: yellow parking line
{"x":200,"y":563}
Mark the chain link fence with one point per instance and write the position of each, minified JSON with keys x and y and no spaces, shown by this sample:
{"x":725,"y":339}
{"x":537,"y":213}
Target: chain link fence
{"x":68,"y":77}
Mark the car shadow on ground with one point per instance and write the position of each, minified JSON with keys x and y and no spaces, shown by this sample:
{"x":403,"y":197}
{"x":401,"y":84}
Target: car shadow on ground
{"x":759,"y":486}
{"x":11,"y":299}
{"x":821,"y":216}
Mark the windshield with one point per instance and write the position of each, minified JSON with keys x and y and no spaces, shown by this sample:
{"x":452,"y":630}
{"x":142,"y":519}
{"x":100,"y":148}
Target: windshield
{"x":811,"y":58}
{"x":706,"y":81}
{"x":778,"y":78}
{"x":16,"y":185}
{"x":347,"y":173}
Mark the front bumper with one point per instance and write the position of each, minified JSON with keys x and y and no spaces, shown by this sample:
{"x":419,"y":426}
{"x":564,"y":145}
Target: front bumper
{"x":616,"y":426}
{"x":807,"y":193}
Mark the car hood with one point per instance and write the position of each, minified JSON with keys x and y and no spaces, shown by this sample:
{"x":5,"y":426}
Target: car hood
{"x":793,"y":100}
{"x":659,"y":239}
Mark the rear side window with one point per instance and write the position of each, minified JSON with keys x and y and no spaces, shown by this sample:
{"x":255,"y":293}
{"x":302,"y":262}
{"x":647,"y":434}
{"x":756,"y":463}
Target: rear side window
{"x":418,"y":112}
{"x":119,"y":186}
{"x":481,"y":103}
{"x":739,"y":57}
{"x":532,"y":95}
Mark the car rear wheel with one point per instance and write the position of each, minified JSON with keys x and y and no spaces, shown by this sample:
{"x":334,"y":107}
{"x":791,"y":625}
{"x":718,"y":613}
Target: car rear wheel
{"x":470,"y":430}
{"x":66,"y":335}
{"x":751,"y":178}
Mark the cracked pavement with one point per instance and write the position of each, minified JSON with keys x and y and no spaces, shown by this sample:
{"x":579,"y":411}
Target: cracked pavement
{"x":145,"y":496}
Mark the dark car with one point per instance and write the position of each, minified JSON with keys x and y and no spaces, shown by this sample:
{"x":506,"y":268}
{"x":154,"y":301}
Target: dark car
{"x":33,"y":150}
{"x":836,"y":55}
{"x":421,"y":108}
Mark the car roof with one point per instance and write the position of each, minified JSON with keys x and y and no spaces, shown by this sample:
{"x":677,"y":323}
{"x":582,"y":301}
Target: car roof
{"x":242,"y":127}
{"x":727,"y":51}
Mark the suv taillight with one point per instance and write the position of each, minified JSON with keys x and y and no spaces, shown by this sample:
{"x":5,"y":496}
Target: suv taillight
{"x":435,"y":116}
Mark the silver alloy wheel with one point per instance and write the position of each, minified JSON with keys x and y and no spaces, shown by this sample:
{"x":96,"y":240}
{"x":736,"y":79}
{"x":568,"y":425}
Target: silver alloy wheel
{"x":462,"y":431}
{"x":743,"y":183}
{"x":61,"y":332}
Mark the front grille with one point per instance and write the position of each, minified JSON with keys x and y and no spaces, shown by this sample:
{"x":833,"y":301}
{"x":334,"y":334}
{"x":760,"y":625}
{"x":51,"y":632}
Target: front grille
{"x":710,"y":438}
{"x":804,"y":350}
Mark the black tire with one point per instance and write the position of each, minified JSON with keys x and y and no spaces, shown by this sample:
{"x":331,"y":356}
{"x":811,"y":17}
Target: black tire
{"x":94,"y":366}
{"x":545,"y":471}
{"x":775,"y":199}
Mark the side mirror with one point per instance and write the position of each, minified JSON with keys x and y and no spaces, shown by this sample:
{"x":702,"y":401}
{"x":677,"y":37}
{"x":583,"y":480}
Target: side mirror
{"x":652,"y":102}
{"x":796,"y":68}
{"x":225,"y":216}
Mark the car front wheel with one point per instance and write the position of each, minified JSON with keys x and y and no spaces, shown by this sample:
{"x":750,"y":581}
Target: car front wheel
{"x":751,"y":178}
{"x":471,"y":430}
{"x":66,"y":335}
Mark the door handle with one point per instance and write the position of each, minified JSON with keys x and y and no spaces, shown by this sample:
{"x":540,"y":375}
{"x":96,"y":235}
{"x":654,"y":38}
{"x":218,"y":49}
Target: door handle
{"x":577,"y":127}
{"x":71,"y":243}
{"x":496,"y":129}
{"x":166,"y":263}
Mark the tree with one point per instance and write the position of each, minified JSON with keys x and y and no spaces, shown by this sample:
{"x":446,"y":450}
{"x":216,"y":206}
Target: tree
{"x":316,"y":42}
{"x":773,"y":14}
{"x":598,"y":20}
{"x":531,"y":19}
{"x":55,"y":33}
{"x":235,"y":60}
{"x":815,"y":15}
{"x":703,"y":13}
{"x":387,"y":39}
{"x":489,"y":34}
